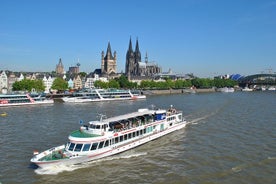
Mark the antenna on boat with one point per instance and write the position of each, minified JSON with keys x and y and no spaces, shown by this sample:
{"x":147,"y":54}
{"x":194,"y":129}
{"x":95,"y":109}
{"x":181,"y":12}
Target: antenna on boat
{"x":101,"y":117}
{"x":152,"y":106}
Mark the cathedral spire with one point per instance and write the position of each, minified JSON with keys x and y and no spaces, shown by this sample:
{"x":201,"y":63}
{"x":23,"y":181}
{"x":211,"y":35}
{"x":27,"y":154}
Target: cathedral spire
{"x":130,"y":45}
{"x":137,"y":46}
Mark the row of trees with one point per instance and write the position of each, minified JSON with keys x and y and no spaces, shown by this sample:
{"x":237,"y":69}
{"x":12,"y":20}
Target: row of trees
{"x":122,"y":82}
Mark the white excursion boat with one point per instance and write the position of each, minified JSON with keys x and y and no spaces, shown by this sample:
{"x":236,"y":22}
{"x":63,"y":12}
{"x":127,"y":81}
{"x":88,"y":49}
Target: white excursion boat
{"x":247,"y":89}
{"x":106,"y":137}
{"x":226,"y":90}
{"x":23,"y":99}
{"x":97,"y":95}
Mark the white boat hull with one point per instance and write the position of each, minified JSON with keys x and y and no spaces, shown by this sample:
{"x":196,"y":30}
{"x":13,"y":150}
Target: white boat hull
{"x":104,"y":152}
{"x":79,"y":100}
{"x":28,"y":103}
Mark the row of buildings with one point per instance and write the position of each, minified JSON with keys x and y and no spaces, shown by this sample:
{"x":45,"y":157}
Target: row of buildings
{"x":8,"y":78}
{"x":135,"y":69}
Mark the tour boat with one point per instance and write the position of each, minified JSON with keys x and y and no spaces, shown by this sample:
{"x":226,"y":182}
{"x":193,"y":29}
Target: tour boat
{"x":247,"y":89}
{"x":226,"y":90}
{"x":23,"y":99}
{"x":106,"y":137}
{"x":97,"y":95}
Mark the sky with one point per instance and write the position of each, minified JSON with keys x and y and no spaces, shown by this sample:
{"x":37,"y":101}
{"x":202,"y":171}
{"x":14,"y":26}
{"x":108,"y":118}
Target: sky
{"x":203,"y":37}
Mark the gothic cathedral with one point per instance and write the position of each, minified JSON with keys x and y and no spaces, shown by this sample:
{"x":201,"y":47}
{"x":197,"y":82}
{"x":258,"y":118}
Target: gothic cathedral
{"x":135,"y":68}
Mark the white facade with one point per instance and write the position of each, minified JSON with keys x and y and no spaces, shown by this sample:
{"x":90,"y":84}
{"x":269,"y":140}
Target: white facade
{"x":89,"y":83}
{"x":3,"y":81}
{"x":48,"y":82}
{"x":21,"y":77}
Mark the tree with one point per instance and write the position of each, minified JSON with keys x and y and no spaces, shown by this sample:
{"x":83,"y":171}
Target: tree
{"x":123,"y":82}
{"x":101,"y":84}
{"x":83,"y":74}
{"x":28,"y":85}
{"x":113,"y":84}
{"x":60,"y":84}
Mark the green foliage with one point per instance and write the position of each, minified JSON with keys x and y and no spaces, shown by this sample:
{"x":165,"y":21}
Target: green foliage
{"x":60,"y":84}
{"x":82,"y":74}
{"x":113,"y":84}
{"x":28,"y":85}
{"x":178,"y":84}
{"x":101,"y":84}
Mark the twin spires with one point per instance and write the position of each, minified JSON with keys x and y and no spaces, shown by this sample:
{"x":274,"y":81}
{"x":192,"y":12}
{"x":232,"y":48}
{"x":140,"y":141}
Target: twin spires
{"x":136,"y":54}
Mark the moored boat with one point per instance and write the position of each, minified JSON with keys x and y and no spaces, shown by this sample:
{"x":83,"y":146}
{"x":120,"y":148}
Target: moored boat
{"x":226,"y":90}
{"x":23,"y":99}
{"x":247,"y":89}
{"x":97,"y":95}
{"x":106,"y":137}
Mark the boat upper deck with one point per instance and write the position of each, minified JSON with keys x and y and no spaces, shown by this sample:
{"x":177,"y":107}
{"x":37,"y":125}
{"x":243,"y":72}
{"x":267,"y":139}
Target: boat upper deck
{"x":80,"y":134}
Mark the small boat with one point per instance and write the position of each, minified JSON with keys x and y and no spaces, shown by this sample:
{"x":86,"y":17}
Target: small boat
{"x":226,"y":90}
{"x":24,"y":99}
{"x":3,"y":114}
{"x":271,"y":88}
{"x":98,"y":95}
{"x":106,"y":137}
{"x":247,"y":89}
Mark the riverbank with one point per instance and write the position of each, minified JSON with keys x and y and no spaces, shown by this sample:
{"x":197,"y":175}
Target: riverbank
{"x":151,"y":92}
{"x":177,"y":91}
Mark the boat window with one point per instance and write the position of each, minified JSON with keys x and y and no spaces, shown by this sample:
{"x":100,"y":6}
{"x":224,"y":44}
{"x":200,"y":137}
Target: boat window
{"x":141,"y":132}
{"x":78,"y":147}
{"x":105,"y":126}
{"x":94,"y":146}
{"x":95,"y":126}
{"x":71,"y":147}
{"x":133,"y":134}
{"x":125,"y":137}
{"x":116,"y":140}
{"x":121,"y":138}
{"x":145,"y":131}
{"x":138,"y":133}
{"x":129,"y":135}
{"x":106,"y":143}
{"x":101,"y":144}
{"x":86,"y":147}
{"x":112,"y":141}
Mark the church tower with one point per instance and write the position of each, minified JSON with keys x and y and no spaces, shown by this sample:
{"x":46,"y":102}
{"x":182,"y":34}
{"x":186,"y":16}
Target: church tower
{"x":130,"y":61}
{"x":137,"y":58}
{"x":59,"y":67}
{"x":109,"y":62}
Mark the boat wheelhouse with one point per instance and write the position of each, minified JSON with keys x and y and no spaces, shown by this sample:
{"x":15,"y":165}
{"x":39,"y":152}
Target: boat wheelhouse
{"x":106,"y":137}
{"x":97,"y":95}
{"x":24,"y":99}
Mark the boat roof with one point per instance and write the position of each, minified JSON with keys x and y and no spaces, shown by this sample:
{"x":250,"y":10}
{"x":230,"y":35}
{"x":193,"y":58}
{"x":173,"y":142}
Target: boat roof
{"x":140,"y":112}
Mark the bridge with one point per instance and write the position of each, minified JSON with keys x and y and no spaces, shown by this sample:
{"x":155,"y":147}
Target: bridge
{"x":258,"y":79}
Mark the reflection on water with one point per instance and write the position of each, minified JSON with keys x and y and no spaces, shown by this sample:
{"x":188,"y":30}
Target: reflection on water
{"x":230,"y":139}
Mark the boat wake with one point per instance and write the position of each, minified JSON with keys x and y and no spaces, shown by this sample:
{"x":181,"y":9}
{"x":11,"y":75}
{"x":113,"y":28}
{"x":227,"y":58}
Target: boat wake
{"x":200,"y":119}
{"x":54,"y":170}
{"x":239,"y":168}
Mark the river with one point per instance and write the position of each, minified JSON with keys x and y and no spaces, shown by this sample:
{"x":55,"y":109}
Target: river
{"x":231,"y":138}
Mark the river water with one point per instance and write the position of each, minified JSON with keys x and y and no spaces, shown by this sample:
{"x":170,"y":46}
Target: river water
{"x":231,"y":138}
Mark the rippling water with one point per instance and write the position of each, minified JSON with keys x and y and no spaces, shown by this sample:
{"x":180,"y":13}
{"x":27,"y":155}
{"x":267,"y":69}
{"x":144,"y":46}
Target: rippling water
{"x":231,"y":138}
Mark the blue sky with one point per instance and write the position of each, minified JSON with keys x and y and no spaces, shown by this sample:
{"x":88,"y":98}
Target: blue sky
{"x":204,"y":37}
